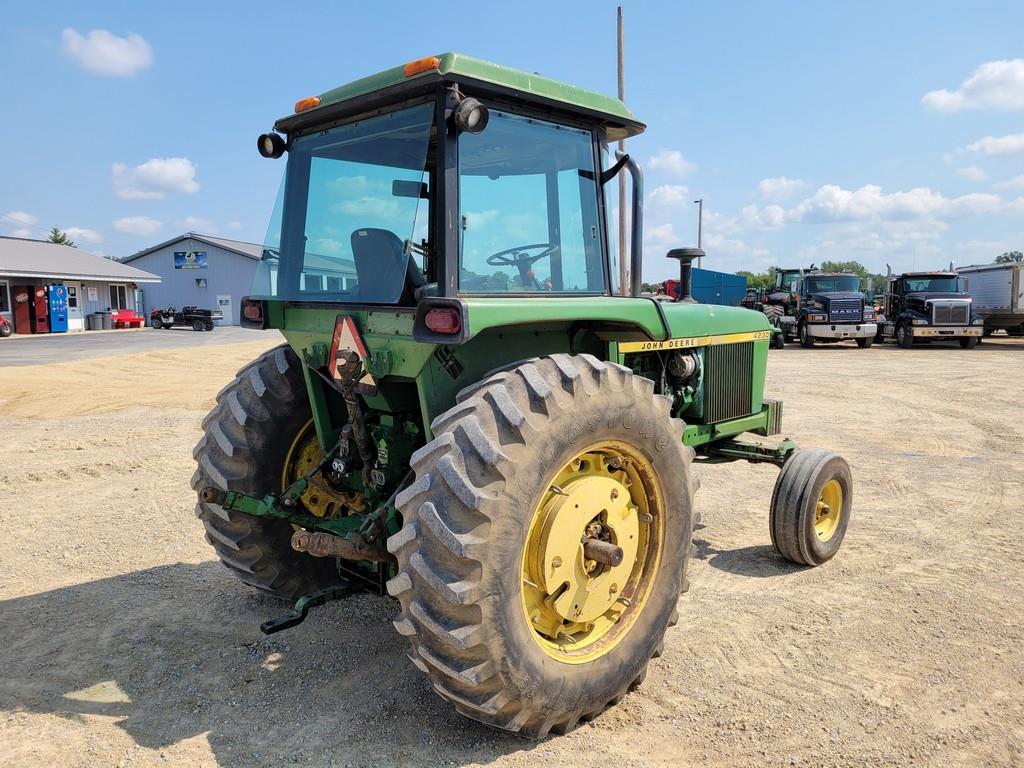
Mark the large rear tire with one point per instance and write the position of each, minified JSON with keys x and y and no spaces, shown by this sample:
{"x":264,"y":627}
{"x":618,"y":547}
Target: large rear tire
{"x":523,"y":452}
{"x":245,"y":446}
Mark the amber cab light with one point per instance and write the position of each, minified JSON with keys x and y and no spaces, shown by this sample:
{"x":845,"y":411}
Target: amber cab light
{"x":444,"y":320}
{"x":421,"y":65}
{"x":307,"y":103}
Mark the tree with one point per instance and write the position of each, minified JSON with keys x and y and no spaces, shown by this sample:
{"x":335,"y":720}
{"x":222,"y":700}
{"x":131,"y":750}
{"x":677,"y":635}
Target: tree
{"x":1010,"y":257}
{"x":762,"y":280}
{"x":57,"y":236}
{"x":845,"y":266}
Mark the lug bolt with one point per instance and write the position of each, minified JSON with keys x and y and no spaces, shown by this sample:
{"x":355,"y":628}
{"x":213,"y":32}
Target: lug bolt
{"x":556,"y":562}
{"x":535,"y":618}
{"x":615,"y":494}
{"x":613,"y":589}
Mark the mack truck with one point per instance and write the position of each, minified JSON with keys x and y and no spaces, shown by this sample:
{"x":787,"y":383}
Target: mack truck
{"x":469,"y":413}
{"x":829,"y":307}
{"x":921,"y":307}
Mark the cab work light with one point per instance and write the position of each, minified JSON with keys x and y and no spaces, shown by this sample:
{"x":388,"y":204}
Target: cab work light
{"x":307,"y":103}
{"x":271,"y":145}
{"x":444,"y":320}
{"x":421,"y":65}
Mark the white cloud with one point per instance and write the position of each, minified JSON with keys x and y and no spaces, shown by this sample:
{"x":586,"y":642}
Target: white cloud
{"x":770,"y":217}
{"x":973,"y":172}
{"x":1016,"y":183}
{"x":1013,"y":144}
{"x":670,"y":198}
{"x":671,"y":161}
{"x":480,"y":219}
{"x":81,"y":234}
{"x":780,"y":187}
{"x":138,"y":225}
{"x":196,"y":224}
{"x":155,"y":178}
{"x":994,"y":85}
{"x":104,"y":53}
{"x":22,"y":221}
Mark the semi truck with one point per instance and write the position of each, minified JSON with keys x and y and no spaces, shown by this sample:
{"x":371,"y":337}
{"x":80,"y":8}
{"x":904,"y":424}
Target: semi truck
{"x":925,"y":307}
{"x":997,"y":291}
{"x":829,"y":308}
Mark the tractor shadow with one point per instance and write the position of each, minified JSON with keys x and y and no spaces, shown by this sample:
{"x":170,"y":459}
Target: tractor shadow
{"x":175,"y":651}
{"x":761,"y":560}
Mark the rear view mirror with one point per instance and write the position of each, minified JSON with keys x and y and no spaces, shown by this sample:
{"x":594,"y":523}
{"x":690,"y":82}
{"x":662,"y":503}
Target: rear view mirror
{"x":417,"y":189}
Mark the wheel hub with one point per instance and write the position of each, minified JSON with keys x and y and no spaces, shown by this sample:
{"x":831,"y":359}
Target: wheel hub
{"x":591,"y":552}
{"x":828,"y":510}
{"x":320,"y":498}
{"x":581,"y":589}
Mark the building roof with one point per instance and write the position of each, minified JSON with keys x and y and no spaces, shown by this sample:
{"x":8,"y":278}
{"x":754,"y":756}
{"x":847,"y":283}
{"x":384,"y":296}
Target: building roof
{"x":22,"y":257}
{"x":460,"y":67}
{"x":251,"y":250}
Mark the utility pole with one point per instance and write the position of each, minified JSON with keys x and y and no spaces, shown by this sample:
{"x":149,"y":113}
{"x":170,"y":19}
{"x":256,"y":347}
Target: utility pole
{"x":700,"y":226}
{"x":623,"y":262}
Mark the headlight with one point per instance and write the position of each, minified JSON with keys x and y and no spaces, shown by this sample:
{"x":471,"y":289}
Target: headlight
{"x":869,"y":314}
{"x":979,"y":321}
{"x":816,"y":318}
{"x":919,"y":321}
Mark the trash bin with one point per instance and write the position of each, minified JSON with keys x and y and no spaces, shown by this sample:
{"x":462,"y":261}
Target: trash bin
{"x":93,"y":322}
{"x":108,"y":321}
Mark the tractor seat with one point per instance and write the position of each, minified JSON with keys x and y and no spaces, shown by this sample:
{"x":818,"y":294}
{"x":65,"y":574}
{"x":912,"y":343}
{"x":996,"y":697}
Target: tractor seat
{"x":381,"y":262}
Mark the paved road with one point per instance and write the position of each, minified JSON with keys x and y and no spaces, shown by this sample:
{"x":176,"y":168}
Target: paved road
{"x":33,"y":350}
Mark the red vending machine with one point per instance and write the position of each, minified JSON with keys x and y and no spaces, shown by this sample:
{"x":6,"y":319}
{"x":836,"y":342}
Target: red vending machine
{"x":40,"y":309}
{"x":21,"y":295}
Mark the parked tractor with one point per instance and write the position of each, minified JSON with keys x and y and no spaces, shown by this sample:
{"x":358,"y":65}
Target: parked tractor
{"x":921,"y":307}
{"x":467,"y":415}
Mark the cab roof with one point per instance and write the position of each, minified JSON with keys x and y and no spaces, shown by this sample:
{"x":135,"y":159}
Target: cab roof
{"x":394,"y":84}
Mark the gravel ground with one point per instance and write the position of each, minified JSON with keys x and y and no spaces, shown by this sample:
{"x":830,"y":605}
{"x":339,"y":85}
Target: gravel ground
{"x":123,"y":641}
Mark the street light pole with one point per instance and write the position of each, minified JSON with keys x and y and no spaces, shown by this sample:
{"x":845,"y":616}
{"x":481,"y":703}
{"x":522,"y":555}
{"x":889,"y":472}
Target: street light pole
{"x":700,"y":227}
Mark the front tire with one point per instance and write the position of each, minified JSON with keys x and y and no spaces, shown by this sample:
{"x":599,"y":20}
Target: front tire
{"x":155,"y":323}
{"x":197,"y":325}
{"x":806,"y":340}
{"x":811,"y":506}
{"x":865,"y":342}
{"x":522,"y":458}
{"x":969,"y":342}
{"x":904,"y":337}
{"x":245,"y":446}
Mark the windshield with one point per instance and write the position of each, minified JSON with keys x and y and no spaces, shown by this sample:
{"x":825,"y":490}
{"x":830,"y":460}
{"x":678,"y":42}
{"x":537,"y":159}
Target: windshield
{"x":787,"y":281}
{"x":529,"y":215}
{"x":353,"y":202}
{"x":833,"y":284}
{"x":940,"y":284}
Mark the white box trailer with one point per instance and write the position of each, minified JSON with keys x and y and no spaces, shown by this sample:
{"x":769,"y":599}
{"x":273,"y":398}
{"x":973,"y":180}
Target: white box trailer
{"x":998,"y":293}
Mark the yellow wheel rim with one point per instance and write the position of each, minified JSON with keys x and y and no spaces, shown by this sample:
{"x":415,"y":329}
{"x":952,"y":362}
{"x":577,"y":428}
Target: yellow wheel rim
{"x":320,"y":498}
{"x":578,"y":609}
{"x":829,"y":510}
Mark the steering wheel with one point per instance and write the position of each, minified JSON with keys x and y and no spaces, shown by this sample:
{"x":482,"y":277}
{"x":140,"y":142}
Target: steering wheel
{"x":517,"y":257}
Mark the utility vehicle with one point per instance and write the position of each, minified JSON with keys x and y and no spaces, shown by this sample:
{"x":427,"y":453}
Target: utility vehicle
{"x":921,"y":307}
{"x":190,"y":317}
{"x":5,"y":328}
{"x":467,"y":414}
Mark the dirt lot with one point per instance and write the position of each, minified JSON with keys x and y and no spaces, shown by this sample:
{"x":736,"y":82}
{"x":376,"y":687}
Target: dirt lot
{"x":123,"y":642}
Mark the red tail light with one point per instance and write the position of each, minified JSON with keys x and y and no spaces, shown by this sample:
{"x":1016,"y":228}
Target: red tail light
{"x":253,"y":312}
{"x":444,"y":320}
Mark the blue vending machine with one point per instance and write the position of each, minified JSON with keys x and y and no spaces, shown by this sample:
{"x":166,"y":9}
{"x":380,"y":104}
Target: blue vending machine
{"x":58,"y":301}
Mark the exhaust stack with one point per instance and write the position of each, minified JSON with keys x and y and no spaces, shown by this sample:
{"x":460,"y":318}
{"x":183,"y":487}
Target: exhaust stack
{"x":686,"y":257}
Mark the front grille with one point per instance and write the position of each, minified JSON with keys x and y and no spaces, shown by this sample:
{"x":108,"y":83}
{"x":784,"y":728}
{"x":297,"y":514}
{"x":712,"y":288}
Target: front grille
{"x":728,"y":374}
{"x":950,"y":314}
{"x":845,"y":311}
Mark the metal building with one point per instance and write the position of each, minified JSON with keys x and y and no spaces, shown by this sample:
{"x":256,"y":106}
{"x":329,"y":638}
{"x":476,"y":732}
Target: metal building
{"x":92,"y":283}
{"x":200,"y":270}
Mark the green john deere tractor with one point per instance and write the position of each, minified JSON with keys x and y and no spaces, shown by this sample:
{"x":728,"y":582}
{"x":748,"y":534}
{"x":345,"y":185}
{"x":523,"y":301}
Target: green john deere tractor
{"x":466,"y":414}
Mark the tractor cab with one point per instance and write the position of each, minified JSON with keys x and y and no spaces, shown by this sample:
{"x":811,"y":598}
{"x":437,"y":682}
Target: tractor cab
{"x":442,"y":181}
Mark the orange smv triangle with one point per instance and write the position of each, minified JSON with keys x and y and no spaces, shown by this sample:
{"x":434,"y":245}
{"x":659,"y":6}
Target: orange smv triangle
{"x":346,"y":337}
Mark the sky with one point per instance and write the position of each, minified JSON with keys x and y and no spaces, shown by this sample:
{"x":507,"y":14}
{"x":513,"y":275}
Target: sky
{"x":883,"y":132}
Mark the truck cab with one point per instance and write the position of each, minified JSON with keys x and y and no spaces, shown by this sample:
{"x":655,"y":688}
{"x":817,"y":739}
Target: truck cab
{"x":830,"y":308}
{"x":920,"y":307}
